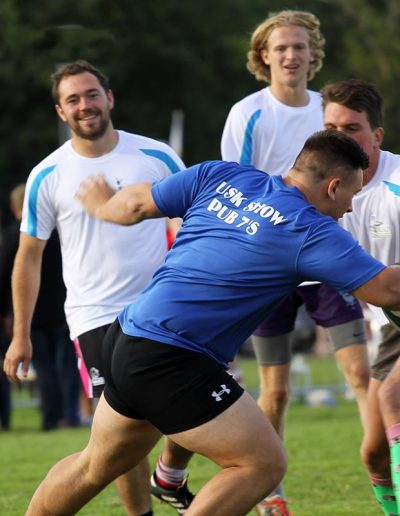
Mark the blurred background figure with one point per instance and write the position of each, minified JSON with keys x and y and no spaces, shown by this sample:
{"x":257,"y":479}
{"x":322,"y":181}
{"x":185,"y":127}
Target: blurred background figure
{"x":8,"y":248}
{"x":54,"y":358}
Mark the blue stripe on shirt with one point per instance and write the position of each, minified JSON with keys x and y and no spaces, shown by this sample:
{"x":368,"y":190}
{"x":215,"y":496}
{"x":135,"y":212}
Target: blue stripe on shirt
{"x":164,"y":157}
{"x":33,"y":199}
{"x":247,"y":149}
{"x":393,"y":187}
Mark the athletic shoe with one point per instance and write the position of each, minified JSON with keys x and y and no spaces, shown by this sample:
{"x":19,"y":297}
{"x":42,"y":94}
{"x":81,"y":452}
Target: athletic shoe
{"x":273,"y":506}
{"x":179,"y":498}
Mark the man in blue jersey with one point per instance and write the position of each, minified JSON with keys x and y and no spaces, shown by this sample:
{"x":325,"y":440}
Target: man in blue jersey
{"x":267,"y":129}
{"x":247,"y":240}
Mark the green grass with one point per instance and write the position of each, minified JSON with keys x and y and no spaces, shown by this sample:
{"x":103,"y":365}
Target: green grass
{"x":325,"y":476}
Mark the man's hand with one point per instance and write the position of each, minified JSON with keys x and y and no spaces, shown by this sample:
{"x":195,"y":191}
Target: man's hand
{"x":93,"y":193}
{"x":19,"y":352}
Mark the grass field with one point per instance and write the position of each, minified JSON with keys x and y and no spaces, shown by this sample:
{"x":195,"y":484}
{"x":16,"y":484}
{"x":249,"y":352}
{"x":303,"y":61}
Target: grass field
{"x":325,"y":476}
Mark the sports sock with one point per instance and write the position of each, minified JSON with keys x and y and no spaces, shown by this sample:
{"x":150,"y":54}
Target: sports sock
{"x":383,"y":491}
{"x":278,"y":491}
{"x":393,"y":436}
{"x":169,"y":477}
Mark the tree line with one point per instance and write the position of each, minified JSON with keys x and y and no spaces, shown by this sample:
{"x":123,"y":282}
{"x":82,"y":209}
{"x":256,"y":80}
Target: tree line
{"x":162,"y":56}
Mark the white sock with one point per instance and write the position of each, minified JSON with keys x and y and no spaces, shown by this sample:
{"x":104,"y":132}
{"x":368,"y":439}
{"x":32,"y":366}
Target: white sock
{"x":169,"y":477}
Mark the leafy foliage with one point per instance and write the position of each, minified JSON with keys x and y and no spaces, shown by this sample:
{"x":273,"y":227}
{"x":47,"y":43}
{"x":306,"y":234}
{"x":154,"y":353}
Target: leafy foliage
{"x":166,"y":55}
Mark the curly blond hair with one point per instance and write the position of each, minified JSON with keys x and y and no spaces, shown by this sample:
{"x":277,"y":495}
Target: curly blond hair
{"x":259,"y":41}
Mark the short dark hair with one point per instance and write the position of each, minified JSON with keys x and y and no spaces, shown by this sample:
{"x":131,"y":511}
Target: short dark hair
{"x":75,"y":68}
{"x":358,"y":95}
{"x":328,"y":151}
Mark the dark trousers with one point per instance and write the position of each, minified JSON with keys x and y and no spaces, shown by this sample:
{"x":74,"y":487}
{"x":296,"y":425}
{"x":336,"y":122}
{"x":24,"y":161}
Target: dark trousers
{"x":5,"y":386}
{"x":55,"y":363}
{"x":5,"y":401}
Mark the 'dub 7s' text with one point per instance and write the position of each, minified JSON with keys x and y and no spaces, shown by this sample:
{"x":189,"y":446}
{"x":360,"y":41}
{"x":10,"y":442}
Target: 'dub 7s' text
{"x":237,"y":199}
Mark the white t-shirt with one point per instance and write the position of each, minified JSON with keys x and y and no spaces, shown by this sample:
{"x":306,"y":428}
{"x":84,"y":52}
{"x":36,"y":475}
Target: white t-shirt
{"x":263,"y":132}
{"x":105,"y":265}
{"x":375,"y":219}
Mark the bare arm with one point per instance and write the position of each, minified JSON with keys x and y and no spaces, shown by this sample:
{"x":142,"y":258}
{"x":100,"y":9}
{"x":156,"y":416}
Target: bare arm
{"x":126,"y":207}
{"x":383,"y":289}
{"x":25,"y":284}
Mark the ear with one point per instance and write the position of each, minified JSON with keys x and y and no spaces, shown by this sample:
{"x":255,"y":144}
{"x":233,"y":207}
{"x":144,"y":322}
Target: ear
{"x":60,"y":113}
{"x":379,"y":133}
{"x":333,"y":185}
{"x":110,"y":98}
{"x":264,"y":56}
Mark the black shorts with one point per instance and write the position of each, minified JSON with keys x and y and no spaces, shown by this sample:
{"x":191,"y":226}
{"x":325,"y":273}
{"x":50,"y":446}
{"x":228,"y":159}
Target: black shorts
{"x":174,"y":388}
{"x":89,"y":349}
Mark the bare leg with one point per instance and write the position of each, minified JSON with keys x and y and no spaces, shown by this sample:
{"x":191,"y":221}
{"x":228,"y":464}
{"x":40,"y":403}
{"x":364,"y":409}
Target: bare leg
{"x":389,"y":399}
{"x":174,"y":455}
{"x":274,"y":393}
{"x":134,"y":489}
{"x":116,"y":445}
{"x":243,"y":442}
{"x":375,"y":449}
{"x":354,"y":362}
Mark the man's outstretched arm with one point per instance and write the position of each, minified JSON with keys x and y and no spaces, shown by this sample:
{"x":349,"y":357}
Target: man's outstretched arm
{"x":128,"y":206}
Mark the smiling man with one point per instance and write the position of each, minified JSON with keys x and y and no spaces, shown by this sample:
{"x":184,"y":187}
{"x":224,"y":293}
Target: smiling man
{"x":104,"y":266}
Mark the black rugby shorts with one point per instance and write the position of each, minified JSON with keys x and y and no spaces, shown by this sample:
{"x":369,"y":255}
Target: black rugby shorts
{"x":174,"y":388}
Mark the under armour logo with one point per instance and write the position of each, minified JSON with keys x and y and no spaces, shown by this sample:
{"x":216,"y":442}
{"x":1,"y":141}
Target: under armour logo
{"x":217,"y":395}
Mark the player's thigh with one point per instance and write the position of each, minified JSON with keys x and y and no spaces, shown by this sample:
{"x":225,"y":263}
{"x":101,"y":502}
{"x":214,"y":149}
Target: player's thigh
{"x":274,"y":378}
{"x":239,"y":436}
{"x":281,"y":320}
{"x":272,"y":350}
{"x":389,"y":399}
{"x":354,"y":359}
{"x":388,"y":352}
{"x":117,"y":442}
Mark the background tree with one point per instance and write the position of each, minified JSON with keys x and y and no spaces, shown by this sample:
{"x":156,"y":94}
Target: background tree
{"x":161,"y":56}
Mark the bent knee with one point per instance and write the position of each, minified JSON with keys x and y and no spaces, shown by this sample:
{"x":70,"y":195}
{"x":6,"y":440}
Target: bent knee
{"x":357,"y":375}
{"x":276,"y":398}
{"x":272,"y":463}
{"x":375,"y":459}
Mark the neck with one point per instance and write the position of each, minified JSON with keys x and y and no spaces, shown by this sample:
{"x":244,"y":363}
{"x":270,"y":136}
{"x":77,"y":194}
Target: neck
{"x":294,"y":96}
{"x":98,"y":147}
{"x":312,"y":194}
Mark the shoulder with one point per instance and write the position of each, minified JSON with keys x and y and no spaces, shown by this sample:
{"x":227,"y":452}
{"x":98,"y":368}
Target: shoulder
{"x":154,"y":149}
{"x":388,"y":162}
{"x":138,"y":141}
{"x":253,"y":102}
{"x":47,"y":168}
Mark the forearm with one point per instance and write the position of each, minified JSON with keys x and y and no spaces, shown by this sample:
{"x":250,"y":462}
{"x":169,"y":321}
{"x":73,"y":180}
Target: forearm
{"x":126,"y":207}
{"x":383,"y":290}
